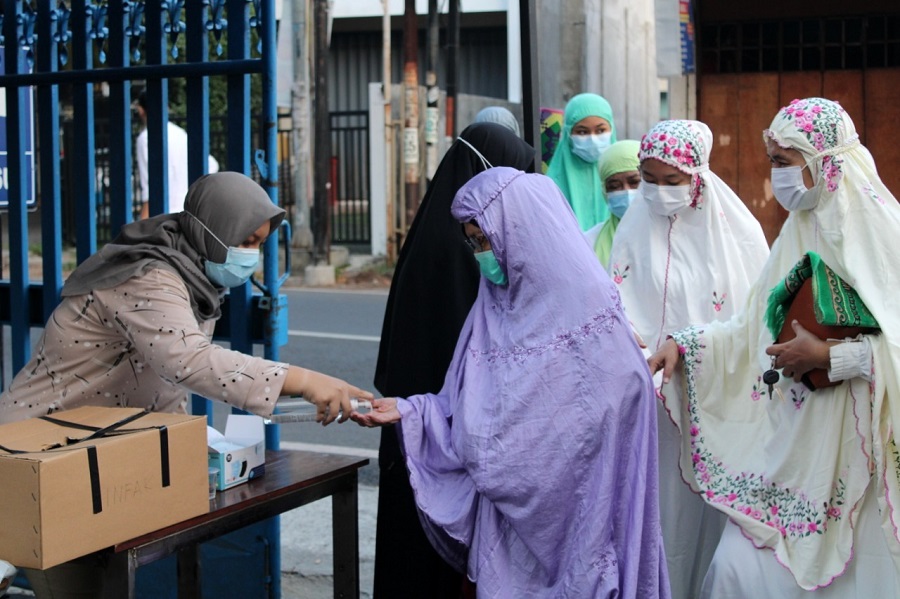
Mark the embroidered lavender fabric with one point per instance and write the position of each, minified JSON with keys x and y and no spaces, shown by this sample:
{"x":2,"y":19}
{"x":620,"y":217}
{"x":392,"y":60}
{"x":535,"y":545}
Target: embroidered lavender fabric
{"x":534,"y":468}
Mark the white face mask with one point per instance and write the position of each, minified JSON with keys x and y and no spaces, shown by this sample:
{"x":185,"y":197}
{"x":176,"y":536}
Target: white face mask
{"x":791,"y":191}
{"x":666,"y":200}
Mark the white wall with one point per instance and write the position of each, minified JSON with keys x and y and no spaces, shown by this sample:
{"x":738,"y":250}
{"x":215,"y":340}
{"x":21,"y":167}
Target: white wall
{"x":607,"y":47}
{"x":374,"y":8}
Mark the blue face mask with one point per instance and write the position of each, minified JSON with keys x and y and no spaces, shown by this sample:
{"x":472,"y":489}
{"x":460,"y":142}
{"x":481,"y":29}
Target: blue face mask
{"x":239,"y":266}
{"x":490,"y":268}
{"x":619,"y":201}
{"x":590,"y":147}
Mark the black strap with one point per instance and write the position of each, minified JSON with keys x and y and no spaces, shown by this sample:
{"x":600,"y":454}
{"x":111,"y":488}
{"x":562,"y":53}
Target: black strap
{"x":93,"y":462}
{"x":102,"y":432}
{"x":164,"y":455}
{"x":67,"y":424}
{"x":94,"y":469}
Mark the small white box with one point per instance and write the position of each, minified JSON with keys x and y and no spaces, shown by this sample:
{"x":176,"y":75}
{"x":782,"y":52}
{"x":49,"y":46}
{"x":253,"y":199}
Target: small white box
{"x":239,"y":454}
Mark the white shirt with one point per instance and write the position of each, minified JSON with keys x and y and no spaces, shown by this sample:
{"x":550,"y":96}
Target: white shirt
{"x":851,"y":359}
{"x":178,"y":167}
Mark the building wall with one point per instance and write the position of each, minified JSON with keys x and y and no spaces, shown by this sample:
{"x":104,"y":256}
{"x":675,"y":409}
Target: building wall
{"x":751,"y":64}
{"x":606,"y":47}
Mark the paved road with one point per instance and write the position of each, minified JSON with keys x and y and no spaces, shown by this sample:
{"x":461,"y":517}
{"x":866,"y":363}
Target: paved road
{"x":335,"y":332}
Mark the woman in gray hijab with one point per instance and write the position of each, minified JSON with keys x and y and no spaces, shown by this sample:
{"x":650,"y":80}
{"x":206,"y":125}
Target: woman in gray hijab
{"x":134,"y":329}
{"x":135,"y":324}
{"x":500,"y":115}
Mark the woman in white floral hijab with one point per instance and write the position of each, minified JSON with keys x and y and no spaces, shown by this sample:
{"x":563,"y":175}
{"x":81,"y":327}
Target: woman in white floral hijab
{"x":687,"y":250}
{"x":809,"y":476}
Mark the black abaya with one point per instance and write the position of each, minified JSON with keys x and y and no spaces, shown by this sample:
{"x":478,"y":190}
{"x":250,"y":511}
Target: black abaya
{"x":434,"y":285}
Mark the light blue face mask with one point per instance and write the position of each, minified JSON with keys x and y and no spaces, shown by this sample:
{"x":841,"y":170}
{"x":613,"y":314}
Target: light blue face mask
{"x":619,"y":201}
{"x":590,"y":147}
{"x":239,"y":265}
{"x":490,"y":268}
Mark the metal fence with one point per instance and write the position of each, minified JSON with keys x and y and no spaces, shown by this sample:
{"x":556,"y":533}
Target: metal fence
{"x":218,"y":147}
{"x":349,"y":197}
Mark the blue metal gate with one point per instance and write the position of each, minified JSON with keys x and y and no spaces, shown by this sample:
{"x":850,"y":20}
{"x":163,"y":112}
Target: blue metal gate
{"x":81,"y":47}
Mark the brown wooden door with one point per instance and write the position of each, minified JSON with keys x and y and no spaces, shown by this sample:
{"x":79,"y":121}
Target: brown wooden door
{"x":737,"y":107}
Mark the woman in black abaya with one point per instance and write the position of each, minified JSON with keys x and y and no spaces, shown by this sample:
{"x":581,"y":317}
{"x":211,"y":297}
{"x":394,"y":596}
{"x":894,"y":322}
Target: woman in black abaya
{"x":435,"y":283}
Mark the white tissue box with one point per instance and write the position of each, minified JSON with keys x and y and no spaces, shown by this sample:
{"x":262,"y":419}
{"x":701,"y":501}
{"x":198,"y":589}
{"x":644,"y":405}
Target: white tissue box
{"x":239,"y":454}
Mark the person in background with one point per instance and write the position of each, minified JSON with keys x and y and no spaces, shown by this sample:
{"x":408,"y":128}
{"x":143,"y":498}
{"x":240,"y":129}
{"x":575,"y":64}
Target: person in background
{"x":807,"y":477}
{"x":621,"y":176}
{"x":434,"y":285}
{"x":134,"y":329}
{"x":688,"y":250}
{"x":176,"y":161}
{"x":534,"y":466}
{"x":499,"y":115}
{"x":589,"y":129}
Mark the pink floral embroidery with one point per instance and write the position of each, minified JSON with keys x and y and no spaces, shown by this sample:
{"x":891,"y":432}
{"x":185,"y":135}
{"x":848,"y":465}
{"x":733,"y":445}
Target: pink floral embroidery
{"x":781,"y":508}
{"x":718,"y":302}
{"x":869,"y":190}
{"x":818,"y":120}
{"x":677,"y":143}
{"x":758,"y":390}
{"x":619,"y":275}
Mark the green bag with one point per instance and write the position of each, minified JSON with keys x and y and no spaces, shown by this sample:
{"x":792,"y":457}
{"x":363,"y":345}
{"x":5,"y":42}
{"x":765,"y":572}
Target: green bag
{"x":835,"y":303}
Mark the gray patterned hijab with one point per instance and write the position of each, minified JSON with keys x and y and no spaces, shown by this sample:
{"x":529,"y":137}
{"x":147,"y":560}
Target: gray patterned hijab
{"x":230,"y":204}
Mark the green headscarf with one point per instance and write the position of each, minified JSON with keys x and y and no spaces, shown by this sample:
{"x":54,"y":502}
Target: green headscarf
{"x":621,"y":157}
{"x":580,"y":180}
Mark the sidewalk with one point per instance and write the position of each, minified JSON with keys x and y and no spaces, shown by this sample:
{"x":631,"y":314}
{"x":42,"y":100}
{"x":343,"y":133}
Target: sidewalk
{"x":306,"y":548}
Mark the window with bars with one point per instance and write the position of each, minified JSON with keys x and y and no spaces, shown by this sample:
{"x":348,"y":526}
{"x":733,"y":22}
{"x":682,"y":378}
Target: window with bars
{"x":800,"y":44}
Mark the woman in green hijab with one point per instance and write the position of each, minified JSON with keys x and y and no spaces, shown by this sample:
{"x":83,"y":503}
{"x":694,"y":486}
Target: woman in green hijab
{"x":588,"y":130}
{"x":620,"y":177}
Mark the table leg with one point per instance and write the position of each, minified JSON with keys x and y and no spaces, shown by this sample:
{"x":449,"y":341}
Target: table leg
{"x":345,"y":529}
{"x":189,"y":572}
{"x":121,"y":571}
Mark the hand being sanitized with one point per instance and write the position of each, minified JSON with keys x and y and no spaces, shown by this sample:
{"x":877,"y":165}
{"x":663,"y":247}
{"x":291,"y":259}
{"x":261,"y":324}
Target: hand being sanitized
{"x":309,"y":415}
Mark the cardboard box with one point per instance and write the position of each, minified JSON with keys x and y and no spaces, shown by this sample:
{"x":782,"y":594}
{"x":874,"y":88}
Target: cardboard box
{"x":85,"y":479}
{"x":239,"y":454}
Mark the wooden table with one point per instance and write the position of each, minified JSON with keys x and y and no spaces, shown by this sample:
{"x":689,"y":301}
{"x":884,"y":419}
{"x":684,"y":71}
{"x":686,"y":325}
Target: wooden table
{"x":292,"y":479}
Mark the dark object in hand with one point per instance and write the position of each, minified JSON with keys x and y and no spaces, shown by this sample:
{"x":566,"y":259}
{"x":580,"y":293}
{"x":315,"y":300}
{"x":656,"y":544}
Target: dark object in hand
{"x":802,"y":311}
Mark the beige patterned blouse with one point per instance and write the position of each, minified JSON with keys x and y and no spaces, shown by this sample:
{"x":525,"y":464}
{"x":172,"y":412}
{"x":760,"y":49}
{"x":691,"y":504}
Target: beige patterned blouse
{"x":136,"y":345}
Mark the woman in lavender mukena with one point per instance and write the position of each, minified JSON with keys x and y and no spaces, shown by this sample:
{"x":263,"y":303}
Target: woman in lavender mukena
{"x":534,"y":467}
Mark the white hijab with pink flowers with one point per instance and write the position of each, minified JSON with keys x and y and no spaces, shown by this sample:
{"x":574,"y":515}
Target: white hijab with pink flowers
{"x":696,"y":266}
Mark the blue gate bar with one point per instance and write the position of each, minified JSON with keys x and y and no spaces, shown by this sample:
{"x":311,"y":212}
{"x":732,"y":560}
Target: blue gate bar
{"x":157,"y":112}
{"x":15,"y":182}
{"x":269,"y":138}
{"x":198,"y":128}
{"x":48,"y":143}
{"x":85,"y":185}
{"x":239,"y":147}
{"x":120,"y":164}
{"x":148,"y":72}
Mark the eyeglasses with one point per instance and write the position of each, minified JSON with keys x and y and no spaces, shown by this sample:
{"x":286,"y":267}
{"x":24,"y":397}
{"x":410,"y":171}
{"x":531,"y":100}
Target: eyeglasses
{"x":476,"y":242}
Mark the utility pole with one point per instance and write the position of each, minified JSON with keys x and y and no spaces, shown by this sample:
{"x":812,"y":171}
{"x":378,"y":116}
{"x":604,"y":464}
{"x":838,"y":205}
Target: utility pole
{"x":322,"y":157}
{"x":432,"y":93}
{"x":301,"y":232}
{"x":390,"y":177}
{"x":530,"y":81}
{"x":411,"y":109}
{"x":452,"y":67}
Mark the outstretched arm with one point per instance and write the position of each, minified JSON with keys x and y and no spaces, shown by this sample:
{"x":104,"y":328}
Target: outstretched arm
{"x":384,"y":411}
{"x":666,"y":359}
